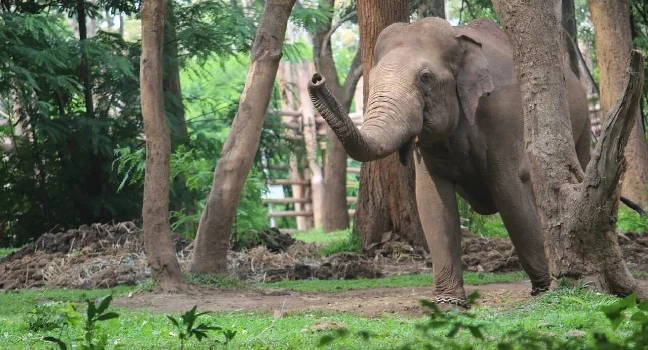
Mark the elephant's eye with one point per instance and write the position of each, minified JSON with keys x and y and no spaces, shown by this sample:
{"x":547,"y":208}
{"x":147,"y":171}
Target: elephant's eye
{"x":426,"y":77}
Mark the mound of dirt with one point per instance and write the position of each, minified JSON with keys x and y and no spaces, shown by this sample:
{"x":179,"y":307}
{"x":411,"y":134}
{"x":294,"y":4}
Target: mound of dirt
{"x":275,"y":240}
{"x":88,"y":257}
{"x":109,"y":255}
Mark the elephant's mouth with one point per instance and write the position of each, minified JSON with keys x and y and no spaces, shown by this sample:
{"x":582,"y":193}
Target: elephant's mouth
{"x":406,"y":150}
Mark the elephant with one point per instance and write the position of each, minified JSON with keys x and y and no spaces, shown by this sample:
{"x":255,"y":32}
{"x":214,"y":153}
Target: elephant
{"x":448,"y":98}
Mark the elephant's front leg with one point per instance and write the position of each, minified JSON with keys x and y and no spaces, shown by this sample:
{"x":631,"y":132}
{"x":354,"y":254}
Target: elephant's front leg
{"x":437,"y":206}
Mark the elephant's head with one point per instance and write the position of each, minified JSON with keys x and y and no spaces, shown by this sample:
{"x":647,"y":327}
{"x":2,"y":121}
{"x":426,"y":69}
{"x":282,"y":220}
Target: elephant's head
{"x":425,"y":79}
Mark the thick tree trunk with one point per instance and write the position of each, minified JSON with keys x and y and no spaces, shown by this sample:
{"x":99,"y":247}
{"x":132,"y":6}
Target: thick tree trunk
{"x":214,"y":229}
{"x":155,"y":212}
{"x":578,"y":210}
{"x":335,"y":214}
{"x":171,"y":82}
{"x":613,"y":44}
{"x":386,"y":200}
{"x":570,"y":35}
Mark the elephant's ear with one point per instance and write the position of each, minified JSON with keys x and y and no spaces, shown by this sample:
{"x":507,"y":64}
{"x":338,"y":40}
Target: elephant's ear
{"x":474,"y":79}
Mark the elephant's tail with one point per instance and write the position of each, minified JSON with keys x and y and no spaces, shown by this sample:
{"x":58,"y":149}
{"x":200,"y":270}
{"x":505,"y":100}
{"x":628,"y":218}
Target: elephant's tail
{"x":632,"y":205}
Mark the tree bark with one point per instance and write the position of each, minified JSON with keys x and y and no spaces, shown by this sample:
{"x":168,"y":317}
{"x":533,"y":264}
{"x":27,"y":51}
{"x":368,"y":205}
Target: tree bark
{"x":335,"y":213}
{"x":613,"y":40}
{"x":155,"y":212}
{"x":386,"y":200}
{"x":214,"y":229}
{"x":171,"y":82}
{"x":578,"y":209}
{"x":570,"y":35}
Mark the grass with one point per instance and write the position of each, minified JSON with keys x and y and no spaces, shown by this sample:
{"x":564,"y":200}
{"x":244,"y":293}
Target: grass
{"x":555,"y":313}
{"x":6,"y":251}
{"x":335,"y":286}
{"x":318,"y":236}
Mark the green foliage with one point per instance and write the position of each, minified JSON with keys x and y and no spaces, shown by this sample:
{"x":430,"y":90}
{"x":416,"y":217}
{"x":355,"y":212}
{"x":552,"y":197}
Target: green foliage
{"x":185,"y":328}
{"x":94,"y":315}
{"x":483,"y":225}
{"x":318,"y":236}
{"x":630,"y":221}
{"x":6,"y":251}
{"x":411,"y":281}
{"x":57,"y":174}
{"x":353,"y":243}
{"x":45,"y":316}
{"x":442,"y":329}
{"x":216,"y":281}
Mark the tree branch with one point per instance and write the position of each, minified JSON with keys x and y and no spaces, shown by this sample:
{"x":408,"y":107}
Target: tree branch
{"x":337,"y":25}
{"x":354,"y":74}
{"x":582,"y":59}
{"x":608,"y":161}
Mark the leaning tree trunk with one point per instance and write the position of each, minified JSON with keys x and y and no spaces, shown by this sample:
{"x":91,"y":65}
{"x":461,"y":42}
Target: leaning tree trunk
{"x":155,"y":212}
{"x":214,"y":229}
{"x":578,"y":210}
{"x":171,"y":82}
{"x":335,"y":214}
{"x":386,"y":200}
{"x":613,"y":40}
{"x":570,"y":35}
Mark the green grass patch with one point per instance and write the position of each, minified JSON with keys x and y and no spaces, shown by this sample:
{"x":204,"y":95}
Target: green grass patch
{"x":216,"y":281}
{"x":423,"y":280}
{"x":318,"y":236}
{"x":554,"y":314}
{"x":6,"y":251}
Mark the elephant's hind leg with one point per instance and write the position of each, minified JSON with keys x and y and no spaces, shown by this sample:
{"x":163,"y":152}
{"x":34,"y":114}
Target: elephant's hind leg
{"x":437,"y":206}
{"x":517,"y":208}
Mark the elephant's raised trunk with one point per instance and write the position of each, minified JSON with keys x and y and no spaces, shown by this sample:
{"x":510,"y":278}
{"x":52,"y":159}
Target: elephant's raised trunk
{"x":373,"y":142}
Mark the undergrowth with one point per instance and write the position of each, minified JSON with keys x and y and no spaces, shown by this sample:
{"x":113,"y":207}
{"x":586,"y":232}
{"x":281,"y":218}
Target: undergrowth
{"x":630,"y":221}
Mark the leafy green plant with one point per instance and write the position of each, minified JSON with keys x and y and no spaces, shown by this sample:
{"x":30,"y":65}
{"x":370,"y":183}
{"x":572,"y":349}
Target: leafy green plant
{"x":44,"y":317}
{"x":186,"y":329}
{"x":630,"y":221}
{"x":94,"y":314}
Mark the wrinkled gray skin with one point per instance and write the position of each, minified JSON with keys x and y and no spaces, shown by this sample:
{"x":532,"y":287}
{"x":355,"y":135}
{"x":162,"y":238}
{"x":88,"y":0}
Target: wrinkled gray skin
{"x":455,"y":88}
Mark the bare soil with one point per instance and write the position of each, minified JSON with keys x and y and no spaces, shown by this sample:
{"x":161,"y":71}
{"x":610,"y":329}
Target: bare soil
{"x":367,"y":303}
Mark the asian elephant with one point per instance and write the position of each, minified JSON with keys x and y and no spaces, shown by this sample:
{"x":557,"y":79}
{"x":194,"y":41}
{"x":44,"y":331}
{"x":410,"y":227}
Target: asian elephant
{"x":451,"y":95}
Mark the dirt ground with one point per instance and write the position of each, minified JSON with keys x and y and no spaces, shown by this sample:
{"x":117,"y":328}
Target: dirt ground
{"x":367,"y":303}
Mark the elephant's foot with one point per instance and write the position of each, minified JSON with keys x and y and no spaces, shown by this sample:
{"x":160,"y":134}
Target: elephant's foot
{"x":539,"y":290}
{"x":446,"y":303}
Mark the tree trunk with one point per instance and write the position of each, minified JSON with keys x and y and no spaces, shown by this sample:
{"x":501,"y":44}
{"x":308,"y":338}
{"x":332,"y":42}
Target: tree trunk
{"x":171,"y":82}
{"x":570,"y":35}
{"x":335,"y":213}
{"x":386,"y":200}
{"x":155,"y":212}
{"x":427,"y":8}
{"x":304,"y":71}
{"x":578,"y":209}
{"x":214,"y":229}
{"x":285,"y":78}
{"x":613,"y":40}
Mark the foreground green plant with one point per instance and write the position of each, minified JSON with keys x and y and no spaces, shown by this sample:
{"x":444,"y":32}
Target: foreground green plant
{"x":94,"y":314}
{"x":186,"y":329}
{"x":452,"y":322}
